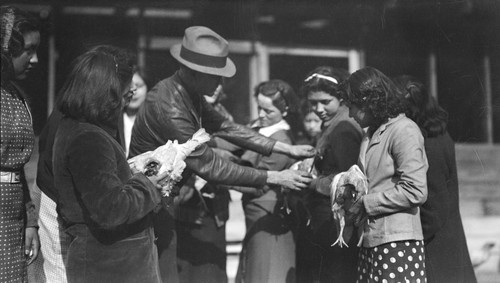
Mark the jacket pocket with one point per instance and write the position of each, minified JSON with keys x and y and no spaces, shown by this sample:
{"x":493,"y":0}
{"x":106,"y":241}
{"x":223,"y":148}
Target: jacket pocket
{"x":399,"y":223}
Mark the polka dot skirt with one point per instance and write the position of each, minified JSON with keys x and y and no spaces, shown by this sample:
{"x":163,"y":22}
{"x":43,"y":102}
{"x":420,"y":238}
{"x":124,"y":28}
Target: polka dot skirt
{"x":402,"y":261}
{"x":17,"y":141}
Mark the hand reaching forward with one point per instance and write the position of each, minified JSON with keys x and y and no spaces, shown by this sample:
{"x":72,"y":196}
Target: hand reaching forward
{"x":302,"y":151}
{"x":295,"y":151}
{"x":291,"y":179}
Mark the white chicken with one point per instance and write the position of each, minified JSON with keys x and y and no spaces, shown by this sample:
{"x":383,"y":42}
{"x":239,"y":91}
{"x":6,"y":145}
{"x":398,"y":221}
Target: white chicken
{"x":346,"y":189}
{"x":168,"y":158}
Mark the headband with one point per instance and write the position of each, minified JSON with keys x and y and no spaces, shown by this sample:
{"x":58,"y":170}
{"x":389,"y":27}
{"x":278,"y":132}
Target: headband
{"x":7,"y":25}
{"x":320,"y":76}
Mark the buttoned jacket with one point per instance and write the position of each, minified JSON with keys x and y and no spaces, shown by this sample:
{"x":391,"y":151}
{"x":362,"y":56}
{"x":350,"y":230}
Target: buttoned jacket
{"x":395,"y":163}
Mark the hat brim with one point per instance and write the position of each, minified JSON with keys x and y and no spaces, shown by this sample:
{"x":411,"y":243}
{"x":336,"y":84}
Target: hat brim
{"x":227,"y":71}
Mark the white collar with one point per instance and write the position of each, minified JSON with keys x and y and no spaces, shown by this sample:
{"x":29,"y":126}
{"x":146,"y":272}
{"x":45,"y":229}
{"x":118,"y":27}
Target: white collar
{"x":270,"y":130}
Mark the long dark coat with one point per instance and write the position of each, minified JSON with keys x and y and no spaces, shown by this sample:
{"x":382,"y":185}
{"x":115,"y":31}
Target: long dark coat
{"x":447,"y":256}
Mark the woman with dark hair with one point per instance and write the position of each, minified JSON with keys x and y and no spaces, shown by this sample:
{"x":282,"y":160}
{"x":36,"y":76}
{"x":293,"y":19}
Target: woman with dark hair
{"x":105,"y":209}
{"x":140,"y":89}
{"x":19,"y":244}
{"x":338,"y":149}
{"x":394,"y":161}
{"x":268,"y":253}
{"x":446,"y":254}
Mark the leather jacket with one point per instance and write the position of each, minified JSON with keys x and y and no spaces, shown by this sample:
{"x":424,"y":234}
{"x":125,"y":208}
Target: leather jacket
{"x":171,"y":113}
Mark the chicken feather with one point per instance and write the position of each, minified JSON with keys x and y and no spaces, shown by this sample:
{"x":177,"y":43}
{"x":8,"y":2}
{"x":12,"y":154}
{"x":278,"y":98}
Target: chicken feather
{"x":168,"y":158}
{"x":346,"y":189}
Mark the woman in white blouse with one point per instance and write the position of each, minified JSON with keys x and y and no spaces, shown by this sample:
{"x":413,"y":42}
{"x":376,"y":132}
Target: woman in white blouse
{"x":140,"y":90}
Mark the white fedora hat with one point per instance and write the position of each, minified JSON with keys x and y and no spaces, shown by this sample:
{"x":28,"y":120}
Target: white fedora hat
{"x":204,"y":51}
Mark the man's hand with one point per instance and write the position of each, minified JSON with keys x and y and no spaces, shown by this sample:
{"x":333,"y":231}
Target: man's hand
{"x":295,"y":151}
{"x":185,"y":194}
{"x":291,"y":179}
{"x":31,"y":244}
{"x":302,"y":151}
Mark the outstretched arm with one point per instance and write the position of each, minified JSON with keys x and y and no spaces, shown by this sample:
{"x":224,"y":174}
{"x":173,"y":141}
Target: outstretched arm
{"x":295,"y":151}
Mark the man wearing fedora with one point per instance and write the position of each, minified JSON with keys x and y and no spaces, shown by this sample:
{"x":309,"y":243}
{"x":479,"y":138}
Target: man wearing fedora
{"x":175,"y":109}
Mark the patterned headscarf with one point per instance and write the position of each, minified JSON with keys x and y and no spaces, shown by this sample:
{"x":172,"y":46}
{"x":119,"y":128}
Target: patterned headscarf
{"x":7,"y":23}
{"x":14,"y":24}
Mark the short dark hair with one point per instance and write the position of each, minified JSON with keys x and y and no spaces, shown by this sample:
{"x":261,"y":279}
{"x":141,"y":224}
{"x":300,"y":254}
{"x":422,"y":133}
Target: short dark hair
{"x":94,"y":89}
{"x":285,"y":99}
{"x":323,"y":78}
{"x":422,"y":108}
{"x":372,"y":90}
{"x":281,"y":93}
{"x":15,"y":24}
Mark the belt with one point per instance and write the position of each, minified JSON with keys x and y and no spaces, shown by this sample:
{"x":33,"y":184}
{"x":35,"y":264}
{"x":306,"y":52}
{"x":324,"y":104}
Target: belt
{"x":10,"y":177}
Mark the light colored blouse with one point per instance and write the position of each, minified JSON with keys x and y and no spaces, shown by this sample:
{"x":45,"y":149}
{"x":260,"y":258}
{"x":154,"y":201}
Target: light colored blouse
{"x":128,"y":124}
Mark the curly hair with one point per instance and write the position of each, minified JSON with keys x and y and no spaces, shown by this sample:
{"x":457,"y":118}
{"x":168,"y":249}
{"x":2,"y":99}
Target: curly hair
{"x":371,"y":90}
{"x":94,"y":89}
{"x":286,"y":100}
{"x":422,"y":108}
{"x":325,"y":78}
{"x":15,"y":23}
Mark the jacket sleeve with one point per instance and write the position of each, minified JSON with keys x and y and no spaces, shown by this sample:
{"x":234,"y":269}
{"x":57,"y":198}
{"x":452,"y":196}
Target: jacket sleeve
{"x":170,"y":120}
{"x":213,"y":168}
{"x":92,"y":163}
{"x":237,"y":134}
{"x":245,"y":137}
{"x":410,"y":161}
{"x":276,"y":161}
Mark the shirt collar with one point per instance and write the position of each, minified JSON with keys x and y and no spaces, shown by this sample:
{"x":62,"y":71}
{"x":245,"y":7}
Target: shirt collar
{"x":391,"y":121}
{"x":342,"y":113}
{"x":270,"y":130}
{"x":376,"y":137}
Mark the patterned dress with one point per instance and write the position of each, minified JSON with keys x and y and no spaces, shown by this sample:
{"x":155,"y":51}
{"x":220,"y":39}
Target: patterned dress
{"x":17,"y":141}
